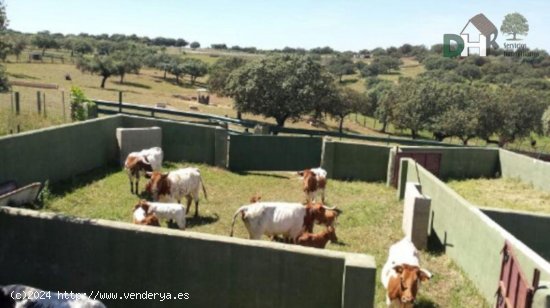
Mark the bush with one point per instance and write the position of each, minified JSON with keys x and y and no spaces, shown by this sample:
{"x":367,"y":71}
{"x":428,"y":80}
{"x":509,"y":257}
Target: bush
{"x":81,"y":107}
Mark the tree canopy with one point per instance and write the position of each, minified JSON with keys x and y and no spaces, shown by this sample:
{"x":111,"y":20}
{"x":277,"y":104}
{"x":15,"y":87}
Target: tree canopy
{"x":515,"y":24}
{"x":280,"y":86}
{"x":219,"y":73}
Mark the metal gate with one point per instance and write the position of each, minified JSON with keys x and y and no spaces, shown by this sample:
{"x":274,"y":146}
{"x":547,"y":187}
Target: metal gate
{"x":429,"y":160}
{"x":513,"y":289}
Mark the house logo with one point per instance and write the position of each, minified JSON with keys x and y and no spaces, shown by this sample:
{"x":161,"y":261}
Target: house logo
{"x":478,"y":35}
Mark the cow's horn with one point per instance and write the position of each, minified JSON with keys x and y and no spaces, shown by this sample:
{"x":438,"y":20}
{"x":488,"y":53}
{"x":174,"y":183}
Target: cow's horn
{"x":330,"y":207}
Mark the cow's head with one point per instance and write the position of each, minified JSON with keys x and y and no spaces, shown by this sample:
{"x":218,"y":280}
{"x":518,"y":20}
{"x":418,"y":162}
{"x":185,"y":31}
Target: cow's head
{"x":255,"y":198}
{"x":142,"y":204}
{"x":404,"y":287}
{"x":158,"y":184}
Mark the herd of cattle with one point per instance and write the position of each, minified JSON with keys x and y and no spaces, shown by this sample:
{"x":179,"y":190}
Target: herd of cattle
{"x":401,"y":274}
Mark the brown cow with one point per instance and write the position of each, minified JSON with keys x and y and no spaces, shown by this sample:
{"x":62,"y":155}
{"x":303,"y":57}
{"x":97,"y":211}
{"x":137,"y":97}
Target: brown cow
{"x":321,"y":214}
{"x":401,"y":275}
{"x":315,"y":181}
{"x":317,"y":240}
{"x":402,"y":289}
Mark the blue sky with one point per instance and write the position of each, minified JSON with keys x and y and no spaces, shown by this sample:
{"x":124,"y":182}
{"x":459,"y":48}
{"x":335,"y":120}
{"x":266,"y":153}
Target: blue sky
{"x":343,"y":24}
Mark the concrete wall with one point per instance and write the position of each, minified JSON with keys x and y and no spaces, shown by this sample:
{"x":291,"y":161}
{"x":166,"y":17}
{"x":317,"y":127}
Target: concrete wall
{"x":254,"y":152}
{"x":469,"y":237}
{"x":136,"y":139}
{"x":183,"y":141}
{"x":527,"y":227}
{"x":525,"y":168}
{"x":84,"y":255}
{"x":463,"y":163}
{"x":59,"y":152}
{"x":355,"y":161}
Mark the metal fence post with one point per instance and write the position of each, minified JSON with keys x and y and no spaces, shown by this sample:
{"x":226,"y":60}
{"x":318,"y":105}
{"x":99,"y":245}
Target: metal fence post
{"x":17,"y":107}
{"x":38,"y":102}
{"x":120,"y":102}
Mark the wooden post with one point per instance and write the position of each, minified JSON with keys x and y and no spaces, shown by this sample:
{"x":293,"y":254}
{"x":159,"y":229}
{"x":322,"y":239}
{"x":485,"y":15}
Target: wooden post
{"x":44,"y":100}
{"x":11,"y":102}
{"x":38,"y":102}
{"x":18,"y":128}
{"x":120,"y":102}
{"x":63,"y":105}
{"x":17,"y":107}
{"x":152,"y":113}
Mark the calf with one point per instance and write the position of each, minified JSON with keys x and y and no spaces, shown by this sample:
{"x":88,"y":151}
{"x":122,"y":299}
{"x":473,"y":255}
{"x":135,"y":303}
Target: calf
{"x":141,"y":162}
{"x":142,"y":218}
{"x":37,"y":298}
{"x":401,"y":275}
{"x":177,"y":184}
{"x":167,"y":211}
{"x":315,"y":181}
{"x":317,"y":240}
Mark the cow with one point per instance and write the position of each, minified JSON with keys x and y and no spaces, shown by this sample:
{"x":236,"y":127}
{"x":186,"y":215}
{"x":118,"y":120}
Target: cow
{"x":320,"y":214}
{"x":17,"y":295}
{"x":318,"y":240}
{"x":168,"y":211}
{"x":401,"y":275}
{"x":140,"y":216}
{"x":140,"y":162}
{"x":315,"y":181}
{"x":175,"y":185}
{"x":278,"y":218}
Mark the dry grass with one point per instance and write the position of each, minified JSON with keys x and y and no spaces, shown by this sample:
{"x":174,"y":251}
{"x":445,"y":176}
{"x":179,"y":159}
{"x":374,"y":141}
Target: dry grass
{"x":503,"y":193}
{"x":370,"y":223}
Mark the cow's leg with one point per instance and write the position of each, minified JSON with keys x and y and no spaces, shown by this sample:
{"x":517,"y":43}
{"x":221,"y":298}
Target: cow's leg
{"x":188,"y":199}
{"x":322,"y":191}
{"x":137,"y":185}
{"x":196,"y":199}
{"x":131,"y":179}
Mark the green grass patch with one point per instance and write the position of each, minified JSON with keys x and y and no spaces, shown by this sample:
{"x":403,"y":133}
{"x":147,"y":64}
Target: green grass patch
{"x":505,"y":193}
{"x":370,"y":223}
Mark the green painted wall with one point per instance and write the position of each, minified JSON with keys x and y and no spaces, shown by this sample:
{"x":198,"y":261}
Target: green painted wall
{"x":253,"y":152}
{"x":464,"y":163}
{"x":59,"y":152}
{"x":468,"y":236}
{"x":217,"y":271}
{"x":527,"y":227}
{"x":181,"y":141}
{"x":352,"y":161}
{"x":525,"y":168}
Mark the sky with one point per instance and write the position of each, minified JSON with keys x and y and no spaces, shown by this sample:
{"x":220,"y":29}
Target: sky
{"x":340,"y":24}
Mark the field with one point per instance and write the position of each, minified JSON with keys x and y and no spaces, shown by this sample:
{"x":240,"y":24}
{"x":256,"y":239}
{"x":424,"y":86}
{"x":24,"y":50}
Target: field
{"x":370,"y":223}
{"x":503,"y":193}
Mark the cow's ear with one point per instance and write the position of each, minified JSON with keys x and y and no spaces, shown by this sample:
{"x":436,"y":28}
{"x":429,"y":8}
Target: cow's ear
{"x":148,"y":174}
{"x":164,"y":175}
{"x":424,"y":275}
{"x":398,"y":269}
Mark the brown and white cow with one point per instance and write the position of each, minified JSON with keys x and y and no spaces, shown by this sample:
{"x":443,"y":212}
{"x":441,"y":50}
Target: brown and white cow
{"x":320,"y":214}
{"x":315,"y":181}
{"x":402,"y":275}
{"x":142,"y":217}
{"x":175,"y":185}
{"x":138,"y":163}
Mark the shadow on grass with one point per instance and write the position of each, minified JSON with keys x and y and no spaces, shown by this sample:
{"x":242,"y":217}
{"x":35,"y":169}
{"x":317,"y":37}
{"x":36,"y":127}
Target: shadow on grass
{"x":277,"y":176}
{"x":132,"y":84}
{"x":349,"y":81}
{"x":202,"y":220}
{"x":69,"y":185}
{"x":425,"y":303}
{"x":22,"y":76}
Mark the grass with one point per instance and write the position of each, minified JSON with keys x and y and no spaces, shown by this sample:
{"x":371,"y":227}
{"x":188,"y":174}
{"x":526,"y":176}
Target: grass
{"x":505,"y":193}
{"x":371,"y":221}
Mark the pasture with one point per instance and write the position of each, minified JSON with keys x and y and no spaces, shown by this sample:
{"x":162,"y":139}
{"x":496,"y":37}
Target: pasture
{"x":370,"y":223}
{"x":505,"y":193}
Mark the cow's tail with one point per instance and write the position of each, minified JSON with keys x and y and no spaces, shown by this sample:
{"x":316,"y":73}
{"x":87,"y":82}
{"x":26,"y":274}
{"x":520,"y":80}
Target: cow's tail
{"x":204,"y":189}
{"x":240,"y":210}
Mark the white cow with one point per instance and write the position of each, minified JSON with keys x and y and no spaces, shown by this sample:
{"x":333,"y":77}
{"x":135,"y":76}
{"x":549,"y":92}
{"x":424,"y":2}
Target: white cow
{"x":143,"y":161}
{"x":175,"y":185}
{"x":401,"y":274}
{"x":166,"y":211}
{"x":271,"y":219}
